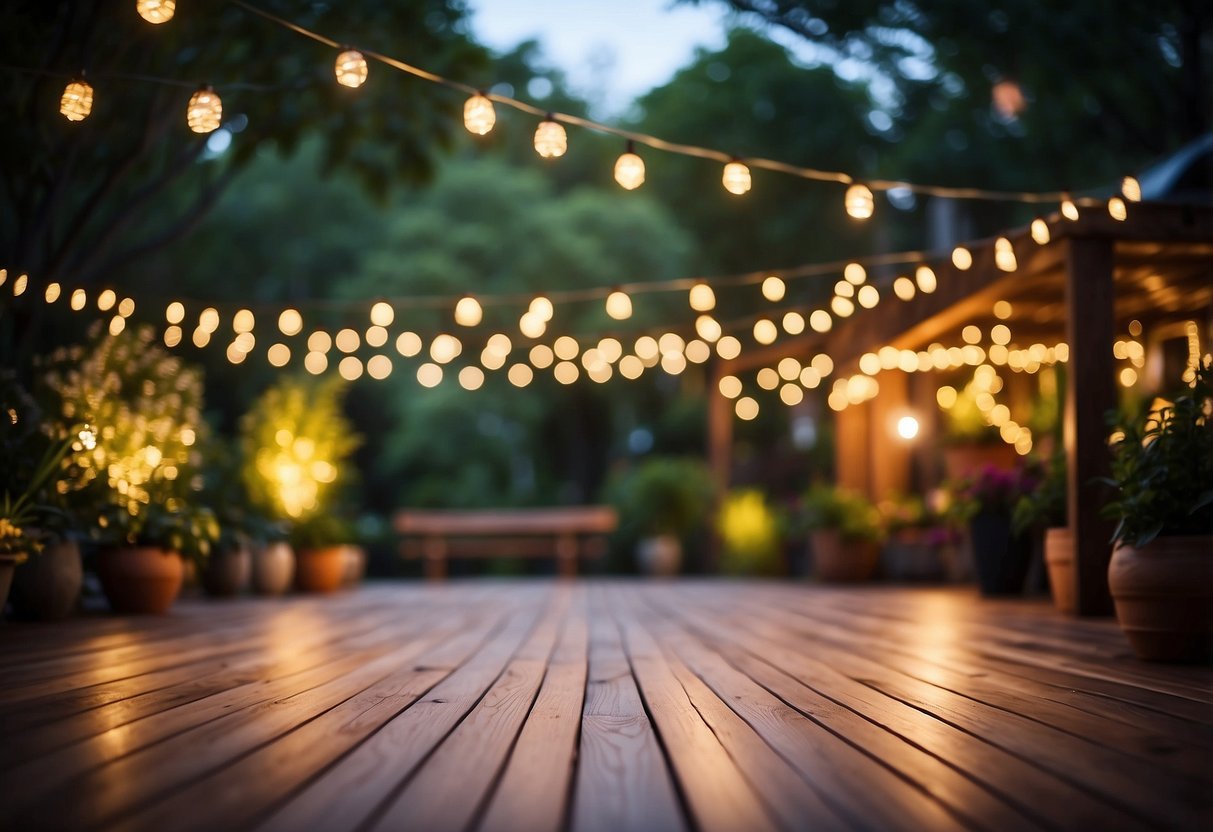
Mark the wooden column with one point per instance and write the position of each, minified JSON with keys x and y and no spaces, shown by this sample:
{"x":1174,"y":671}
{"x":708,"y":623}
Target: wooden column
{"x":720,"y":458}
{"x":1090,"y":393}
{"x":853,"y":448}
{"x":890,"y":454}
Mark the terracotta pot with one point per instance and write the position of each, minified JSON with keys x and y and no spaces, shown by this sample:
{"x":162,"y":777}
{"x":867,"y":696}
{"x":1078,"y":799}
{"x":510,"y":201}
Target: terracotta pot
{"x":1000,"y":558}
{"x":355,"y":566}
{"x":48,"y":585}
{"x":273,"y":568}
{"x":140,"y":579}
{"x":836,"y":559}
{"x":226,"y":572}
{"x":1163,"y":593}
{"x":961,"y":460}
{"x":659,"y":555}
{"x":1059,"y":558}
{"x":319,"y":569}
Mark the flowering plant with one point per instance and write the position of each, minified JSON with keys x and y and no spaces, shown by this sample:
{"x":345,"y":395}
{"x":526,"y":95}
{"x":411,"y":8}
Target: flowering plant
{"x":993,"y":490}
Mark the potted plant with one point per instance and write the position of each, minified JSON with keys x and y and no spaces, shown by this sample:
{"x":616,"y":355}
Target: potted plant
{"x":750,"y":534}
{"x":914,"y":540}
{"x":985,"y":502}
{"x":971,"y":443}
{"x":844,"y":533}
{"x":34,"y":522}
{"x":1044,"y":509}
{"x":229,"y":568}
{"x":661,"y":502}
{"x":142,"y":476}
{"x":295,"y":441}
{"x":1161,"y":573}
{"x":320,"y":542}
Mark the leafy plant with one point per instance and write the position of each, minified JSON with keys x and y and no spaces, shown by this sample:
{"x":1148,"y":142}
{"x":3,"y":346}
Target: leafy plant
{"x":1162,"y":468}
{"x":1044,"y":506}
{"x":321,"y":530}
{"x":663,"y":495}
{"x":750,"y":534}
{"x":992,"y":490}
{"x":825,"y":507}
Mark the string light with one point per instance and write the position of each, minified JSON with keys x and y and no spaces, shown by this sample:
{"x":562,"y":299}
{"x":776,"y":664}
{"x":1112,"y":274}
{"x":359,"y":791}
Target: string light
{"x":1004,"y":255}
{"x":708,"y":328}
{"x":736,"y":178}
{"x":820,"y":321}
{"x":156,"y":11}
{"x":541,"y":308}
{"x":962,"y":258}
{"x":773,"y":289}
{"x":382,"y":313}
{"x":1068,"y":209}
{"x":728,"y":348}
{"x":793,"y":323}
{"x":471,"y":378}
{"x":1130,"y":189}
{"x":925,"y":277}
{"x":859,"y":201}
{"x":904,"y":288}
{"x":619,"y":305}
{"x":1040,"y":231}
{"x":77,"y":100}
{"x":479,"y":117}
{"x":205,"y":111}
{"x":379,"y":367}
{"x":468,"y":311}
{"x":531,"y":325}
{"x":765,"y":331}
{"x":290,"y":322}
{"x":868,"y":296}
{"x":550,"y":139}
{"x":52,"y":292}
{"x":702,"y":298}
{"x":1117,"y":209}
{"x":408,"y":344}
{"x":855,"y":273}
{"x":351,"y":69}
{"x":629,"y":169}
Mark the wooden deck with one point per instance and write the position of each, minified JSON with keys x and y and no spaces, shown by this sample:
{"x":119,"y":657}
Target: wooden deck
{"x":599,"y":706}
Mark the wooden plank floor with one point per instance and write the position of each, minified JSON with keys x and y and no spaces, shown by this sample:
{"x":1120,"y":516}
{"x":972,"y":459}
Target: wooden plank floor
{"x":535,"y":706}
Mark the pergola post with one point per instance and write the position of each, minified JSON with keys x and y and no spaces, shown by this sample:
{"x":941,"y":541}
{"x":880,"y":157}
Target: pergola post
{"x":890,"y":455}
{"x":853,"y":448}
{"x":1090,"y":393}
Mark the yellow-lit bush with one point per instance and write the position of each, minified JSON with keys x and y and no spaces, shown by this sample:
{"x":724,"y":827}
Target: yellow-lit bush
{"x":749,"y":534}
{"x":295,"y":441}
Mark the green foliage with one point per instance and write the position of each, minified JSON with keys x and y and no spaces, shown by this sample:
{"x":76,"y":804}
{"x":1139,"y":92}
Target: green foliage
{"x":749,"y":532}
{"x":1162,"y":470}
{"x":296,"y":441}
{"x":851,"y":514}
{"x":1045,"y":506}
{"x":188,"y":529}
{"x":663,"y":495}
{"x":321,"y":530}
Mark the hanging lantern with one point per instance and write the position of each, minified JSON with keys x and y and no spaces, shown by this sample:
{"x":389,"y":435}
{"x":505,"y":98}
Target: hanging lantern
{"x":550,"y":139}
{"x":351,"y":69}
{"x":736,"y":178}
{"x":77,"y":100}
{"x":205,"y":111}
{"x":629,"y":169}
{"x":156,"y":11}
{"x":1130,"y":188}
{"x":478,"y":114}
{"x":859,"y":201}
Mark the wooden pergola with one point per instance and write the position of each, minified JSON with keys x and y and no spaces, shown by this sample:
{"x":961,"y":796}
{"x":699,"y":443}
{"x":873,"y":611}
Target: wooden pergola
{"x":1083,"y":286}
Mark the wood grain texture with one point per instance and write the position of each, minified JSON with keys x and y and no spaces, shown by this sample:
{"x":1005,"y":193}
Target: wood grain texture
{"x":543,"y":706}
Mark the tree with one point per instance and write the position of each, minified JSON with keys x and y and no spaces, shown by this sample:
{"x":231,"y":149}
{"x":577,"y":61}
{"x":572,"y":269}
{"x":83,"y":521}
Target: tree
{"x":82,"y":201}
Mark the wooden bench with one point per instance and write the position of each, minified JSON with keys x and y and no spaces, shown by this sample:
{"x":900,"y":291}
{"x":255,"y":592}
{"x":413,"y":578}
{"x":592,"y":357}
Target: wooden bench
{"x":563,"y":533}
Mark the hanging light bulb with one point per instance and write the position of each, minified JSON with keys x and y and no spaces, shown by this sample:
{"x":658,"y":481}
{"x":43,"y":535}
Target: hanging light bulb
{"x":542,"y":308}
{"x":619,"y":305}
{"x":550,"y":139}
{"x":351,"y":69}
{"x":702,"y":298}
{"x":1130,"y":189}
{"x":1004,"y":255}
{"x":1068,"y":209}
{"x":629,"y":169}
{"x":1117,"y":209}
{"x":77,"y":100}
{"x":205,"y":111}
{"x":859,"y":201}
{"x":478,"y":114}
{"x":156,"y":11}
{"x":736,"y":178}
{"x":1040,"y":231}
{"x":468,"y":311}
{"x":773,"y":288}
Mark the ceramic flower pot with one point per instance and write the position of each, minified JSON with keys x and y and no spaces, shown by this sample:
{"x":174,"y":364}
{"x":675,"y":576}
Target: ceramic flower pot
{"x":140,"y":579}
{"x":273,"y":568}
{"x":1000,"y":557}
{"x":1163,"y":593}
{"x":227,"y":572}
{"x":659,"y":555}
{"x":838,"y":559}
{"x":1059,"y":558}
{"x":47,"y":587}
{"x":319,"y":569}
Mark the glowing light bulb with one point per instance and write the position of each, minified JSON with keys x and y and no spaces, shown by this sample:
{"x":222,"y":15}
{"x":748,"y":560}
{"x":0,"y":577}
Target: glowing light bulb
{"x":1117,"y":209}
{"x":542,"y":308}
{"x":351,"y":69}
{"x":1040,"y":231}
{"x":773,"y":289}
{"x":290,"y":322}
{"x":205,"y":111}
{"x":468,"y":311}
{"x":962,"y":258}
{"x":550,"y":139}
{"x":855,"y":273}
{"x":619,"y":305}
{"x":765,"y":331}
{"x":907,"y":427}
{"x":1130,"y":189}
{"x":1068,"y":209}
{"x":702,"y":298}
{"x":859,"y":201}
{"x":904,"y":288}
{"x":479,"y":117}
{"x":629,"y":169}
{"x":736,"y":178}
{"x":1004,"y":255}
{"x":868,"y":296}
{"x":925,"y":277}
{"x":382,"y":314}
{"x":77,"y":100}
{"x":156,"y":11}
{"x":820,"y":321}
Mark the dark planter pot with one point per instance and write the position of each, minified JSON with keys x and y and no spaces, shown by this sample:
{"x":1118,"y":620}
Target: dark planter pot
{"x":1000,"y":558}
{"x":319,"y":569}
{"x":1163,"y":593}
{"x":141,"y":579}
{"x":47,"y":586}
{"x":909,"y":555}
{"x":227,"y":573}
{"x":836,"y":559}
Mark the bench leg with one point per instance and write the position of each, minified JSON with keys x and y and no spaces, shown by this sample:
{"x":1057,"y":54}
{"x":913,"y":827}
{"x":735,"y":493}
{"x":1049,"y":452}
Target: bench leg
{"x":434,"y":550}
{"x":566,"y":555}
